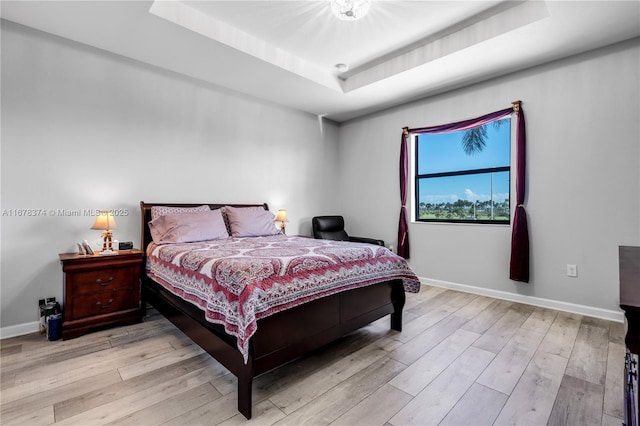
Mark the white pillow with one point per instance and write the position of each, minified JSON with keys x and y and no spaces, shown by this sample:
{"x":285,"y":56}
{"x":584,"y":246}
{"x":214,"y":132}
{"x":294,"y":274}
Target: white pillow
{"x":157,"y":211}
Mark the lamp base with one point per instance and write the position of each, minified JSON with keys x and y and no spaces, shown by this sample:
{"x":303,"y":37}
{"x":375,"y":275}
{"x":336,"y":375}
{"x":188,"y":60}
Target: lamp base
{"x":107,"y":253}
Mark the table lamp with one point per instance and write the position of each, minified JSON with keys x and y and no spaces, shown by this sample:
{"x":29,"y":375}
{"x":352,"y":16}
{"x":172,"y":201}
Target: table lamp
{"x":106,"y":222}
{"x":282,"y":218}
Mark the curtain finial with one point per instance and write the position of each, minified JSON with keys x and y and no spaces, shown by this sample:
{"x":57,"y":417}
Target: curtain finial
{"x":516,"y":106}
{"x":405,"y":131}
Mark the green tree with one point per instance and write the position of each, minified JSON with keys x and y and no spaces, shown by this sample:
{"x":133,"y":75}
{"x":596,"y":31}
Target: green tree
{"x":474,"y":140}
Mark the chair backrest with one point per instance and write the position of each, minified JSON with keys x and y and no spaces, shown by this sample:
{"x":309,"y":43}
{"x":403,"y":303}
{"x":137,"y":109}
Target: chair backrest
{"x":329,"y":228}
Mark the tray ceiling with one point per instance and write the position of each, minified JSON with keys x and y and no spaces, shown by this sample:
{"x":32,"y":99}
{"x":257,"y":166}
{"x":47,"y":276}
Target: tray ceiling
{"x":287,"y":51}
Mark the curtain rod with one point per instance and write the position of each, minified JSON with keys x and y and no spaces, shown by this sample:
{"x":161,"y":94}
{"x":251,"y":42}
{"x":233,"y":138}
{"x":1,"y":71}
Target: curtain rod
{"x":515,"y":105}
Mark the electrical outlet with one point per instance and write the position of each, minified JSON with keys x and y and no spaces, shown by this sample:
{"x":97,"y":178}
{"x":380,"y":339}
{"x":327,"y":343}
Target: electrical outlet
{"x":572,"y":270}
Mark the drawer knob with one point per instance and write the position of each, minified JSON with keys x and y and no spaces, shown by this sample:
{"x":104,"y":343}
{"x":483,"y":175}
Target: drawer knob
{"x":102,"y":283}
{"x":106,"y":305}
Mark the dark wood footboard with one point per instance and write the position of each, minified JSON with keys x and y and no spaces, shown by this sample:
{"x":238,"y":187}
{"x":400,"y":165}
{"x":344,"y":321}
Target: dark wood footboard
{"x":284,"y":336}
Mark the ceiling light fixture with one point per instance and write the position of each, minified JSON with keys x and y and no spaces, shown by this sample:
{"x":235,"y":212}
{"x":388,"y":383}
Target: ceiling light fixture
{"x":350,"y":10}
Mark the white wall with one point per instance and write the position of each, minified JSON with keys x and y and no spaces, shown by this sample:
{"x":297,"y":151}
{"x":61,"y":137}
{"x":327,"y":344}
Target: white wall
{"x":85,"y":129}
{"x":583,"y":199}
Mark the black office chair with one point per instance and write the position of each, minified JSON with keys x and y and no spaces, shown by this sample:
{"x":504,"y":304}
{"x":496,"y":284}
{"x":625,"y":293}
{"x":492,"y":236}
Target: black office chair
{"x":332,"y":228}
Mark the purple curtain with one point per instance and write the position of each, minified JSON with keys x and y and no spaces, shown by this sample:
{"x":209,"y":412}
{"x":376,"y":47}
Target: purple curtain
{"x":403,"y":226}
{"x":519,"y":266}
{"x":464,"y":125}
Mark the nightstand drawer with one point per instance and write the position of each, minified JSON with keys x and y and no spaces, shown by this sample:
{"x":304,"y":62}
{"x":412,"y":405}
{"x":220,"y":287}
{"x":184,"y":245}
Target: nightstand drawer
{"x":90,"y":282}
{"x":103,"y":303}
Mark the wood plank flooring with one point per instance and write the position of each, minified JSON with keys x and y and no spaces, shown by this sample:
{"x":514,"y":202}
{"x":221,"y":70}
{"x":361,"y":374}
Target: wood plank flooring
{"x":462,"y":359}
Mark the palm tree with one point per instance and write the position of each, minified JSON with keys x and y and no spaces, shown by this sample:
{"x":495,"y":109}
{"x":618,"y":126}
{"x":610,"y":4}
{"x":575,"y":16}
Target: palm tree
{"x":474,"y":140}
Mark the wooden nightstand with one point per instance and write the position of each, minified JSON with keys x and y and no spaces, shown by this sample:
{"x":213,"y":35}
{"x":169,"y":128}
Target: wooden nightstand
{"x":100,"y":291}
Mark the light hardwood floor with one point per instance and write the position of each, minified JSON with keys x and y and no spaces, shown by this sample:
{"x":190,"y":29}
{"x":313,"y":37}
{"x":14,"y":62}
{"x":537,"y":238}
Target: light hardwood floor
{"x":461,"y":359}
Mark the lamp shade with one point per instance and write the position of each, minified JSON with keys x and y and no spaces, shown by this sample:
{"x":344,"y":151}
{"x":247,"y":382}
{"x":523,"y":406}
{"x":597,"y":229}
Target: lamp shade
{"x":281,"y":216}
{"x":105,"y":221}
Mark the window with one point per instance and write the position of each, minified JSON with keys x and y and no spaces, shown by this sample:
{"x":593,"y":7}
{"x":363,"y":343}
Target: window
{"x":464,"y":176}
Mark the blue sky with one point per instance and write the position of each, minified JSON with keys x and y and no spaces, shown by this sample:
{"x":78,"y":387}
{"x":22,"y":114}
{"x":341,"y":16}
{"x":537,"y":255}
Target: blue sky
{"x":444,"y":153}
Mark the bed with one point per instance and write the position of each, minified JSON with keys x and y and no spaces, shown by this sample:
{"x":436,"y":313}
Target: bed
{"x":255,"y":318}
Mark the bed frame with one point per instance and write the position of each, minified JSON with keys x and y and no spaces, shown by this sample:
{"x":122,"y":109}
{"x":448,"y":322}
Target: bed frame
{"x":281,"y":337}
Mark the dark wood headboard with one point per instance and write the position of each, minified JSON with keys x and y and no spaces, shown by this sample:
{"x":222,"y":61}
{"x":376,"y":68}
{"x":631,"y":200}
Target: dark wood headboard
{"x":145,"y":210}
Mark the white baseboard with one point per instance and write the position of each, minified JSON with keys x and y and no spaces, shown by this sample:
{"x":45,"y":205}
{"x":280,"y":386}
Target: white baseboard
{"x":590,"y":311}
{"x":19,"y":329}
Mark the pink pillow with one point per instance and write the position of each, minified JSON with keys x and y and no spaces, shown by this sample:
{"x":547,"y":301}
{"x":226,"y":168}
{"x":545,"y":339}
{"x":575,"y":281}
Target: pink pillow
{"x":226,"y":218}
{"x":188,"y":228}
{"x":249,"y":222}
{"x":157,"y":211}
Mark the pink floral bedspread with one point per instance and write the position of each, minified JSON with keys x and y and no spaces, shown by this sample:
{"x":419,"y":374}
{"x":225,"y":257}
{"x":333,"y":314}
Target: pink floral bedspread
{"x":240,"y":280}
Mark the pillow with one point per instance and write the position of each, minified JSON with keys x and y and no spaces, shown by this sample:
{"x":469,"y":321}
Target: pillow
{"x":188,"y":228}
{"x":226,"y":218}
{"x":251,"y":222}
{"x":157,"y":211}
